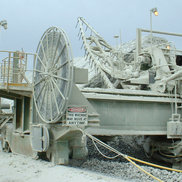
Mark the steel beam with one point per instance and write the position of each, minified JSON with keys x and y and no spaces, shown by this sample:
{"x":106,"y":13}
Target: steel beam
{"x":131,"y":115}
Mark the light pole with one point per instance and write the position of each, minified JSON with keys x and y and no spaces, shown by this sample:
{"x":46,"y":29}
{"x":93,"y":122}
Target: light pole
{"x":155,"y":12}
{"x":4,"y":24}
{"x":116,"y":37}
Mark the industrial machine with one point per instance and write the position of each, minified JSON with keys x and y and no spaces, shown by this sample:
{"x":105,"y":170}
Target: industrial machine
{"x":47,"y":111}
{"x":138,"y":93}
{"x":140,"y":90}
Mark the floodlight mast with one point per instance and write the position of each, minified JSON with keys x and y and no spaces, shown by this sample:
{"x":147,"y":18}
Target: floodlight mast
{"x":4,"y":24}
{"x":116,"y":38}
{"x":156,"y":13}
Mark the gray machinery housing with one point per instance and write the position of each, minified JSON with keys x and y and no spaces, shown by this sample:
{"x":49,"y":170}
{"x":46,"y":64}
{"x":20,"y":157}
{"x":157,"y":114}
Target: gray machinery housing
{"x":138,"y":97}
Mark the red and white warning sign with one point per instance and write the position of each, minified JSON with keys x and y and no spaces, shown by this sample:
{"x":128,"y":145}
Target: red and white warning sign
{"x":77,"y":109}
{"x":77,"y":116}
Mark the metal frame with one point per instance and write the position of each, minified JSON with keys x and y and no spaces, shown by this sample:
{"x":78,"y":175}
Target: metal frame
{"x":8,"y":71}
{"x":138,"y":37}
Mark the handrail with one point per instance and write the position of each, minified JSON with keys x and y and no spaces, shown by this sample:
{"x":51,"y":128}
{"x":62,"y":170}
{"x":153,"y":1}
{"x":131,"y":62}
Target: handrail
{"x":14,"y":67}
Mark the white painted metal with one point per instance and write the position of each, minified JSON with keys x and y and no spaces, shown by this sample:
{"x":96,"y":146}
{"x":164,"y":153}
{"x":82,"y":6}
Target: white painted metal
{"x":118,"y":132}
{"x":128,"y":92}
{"x":149,"y":73}
{"x":130,"y":98}
{"x":148,"y":66}
{"x":53,"y":72}
{"x":39,"y":138}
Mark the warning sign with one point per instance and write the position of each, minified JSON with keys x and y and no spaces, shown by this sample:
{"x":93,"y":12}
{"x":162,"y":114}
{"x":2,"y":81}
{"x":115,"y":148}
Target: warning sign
{"x":76,"y":116}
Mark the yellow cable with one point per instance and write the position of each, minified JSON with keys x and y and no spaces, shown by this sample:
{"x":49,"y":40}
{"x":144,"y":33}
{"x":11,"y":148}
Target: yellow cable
{"x":130,"y":159}
{"x":155,"y":165}
{"x":127,"y":158}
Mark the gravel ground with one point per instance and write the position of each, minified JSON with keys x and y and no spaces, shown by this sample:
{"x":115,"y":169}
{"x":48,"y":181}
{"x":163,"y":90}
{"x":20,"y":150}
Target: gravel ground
{"x":96,"y":167}
{"x":127,"y":171}
{"x":119,"y":167}
{"x":20,"y":168}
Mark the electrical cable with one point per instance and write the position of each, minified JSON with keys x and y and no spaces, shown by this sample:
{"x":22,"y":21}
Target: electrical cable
{"x":119,"y":154}
{"x":129,"y":158}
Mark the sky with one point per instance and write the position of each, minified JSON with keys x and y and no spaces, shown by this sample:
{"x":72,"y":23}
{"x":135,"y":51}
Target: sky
{"x":28,"y":19}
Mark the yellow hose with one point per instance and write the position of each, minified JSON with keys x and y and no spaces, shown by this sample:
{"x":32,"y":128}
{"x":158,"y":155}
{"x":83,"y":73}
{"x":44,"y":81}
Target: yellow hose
{"x":128,"y":158}
{"x":119,"y":154}
{"x":155,"y":165}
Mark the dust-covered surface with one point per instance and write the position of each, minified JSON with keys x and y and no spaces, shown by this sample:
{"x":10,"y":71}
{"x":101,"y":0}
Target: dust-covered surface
{"x":131,"y":146}
{"x":128,"y":50}
{"x":19,"y":168}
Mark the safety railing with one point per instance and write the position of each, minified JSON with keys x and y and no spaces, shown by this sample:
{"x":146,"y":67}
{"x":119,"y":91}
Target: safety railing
{"x":139,"y":39}
{"x":16,"y":68}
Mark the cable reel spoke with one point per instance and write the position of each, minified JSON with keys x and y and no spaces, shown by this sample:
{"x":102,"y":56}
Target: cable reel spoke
{"x":40,"y":91}
{"x":52,"y":44}
{"x":43,"y":97}
{"x":58,"y":89}
{"x":48,"y":103}
{"x":56,"y":69}
{"x":41,"y":80}
{"x":39,"y":71}
{"x":51,"y":106}
{"x":54,"y":96}
{"x":43,"y":50}
{"x":59,"y":77}
{"x":56,"y":47}
{"x":47,"y":43}
{"x":59,"y":55}
{"x":41,"y":62}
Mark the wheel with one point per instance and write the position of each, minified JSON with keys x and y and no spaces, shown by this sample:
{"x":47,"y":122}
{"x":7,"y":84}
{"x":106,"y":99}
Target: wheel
{"x":53,"y":70}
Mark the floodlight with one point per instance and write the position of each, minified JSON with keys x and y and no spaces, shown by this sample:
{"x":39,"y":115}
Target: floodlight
{"x":168,"y":46}
{"x":116,"y":36}
{"x":4,"y":24}
{"x":154,"y":11}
